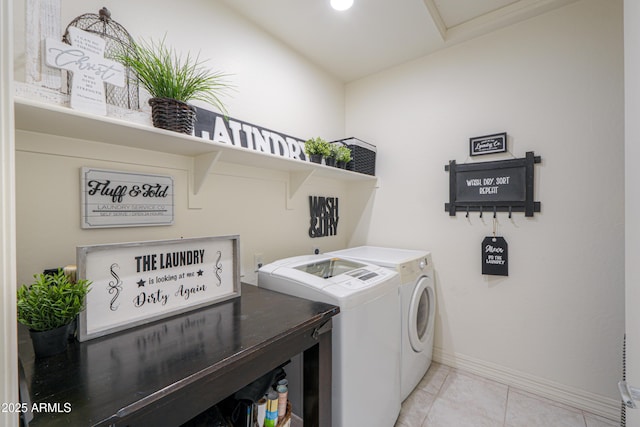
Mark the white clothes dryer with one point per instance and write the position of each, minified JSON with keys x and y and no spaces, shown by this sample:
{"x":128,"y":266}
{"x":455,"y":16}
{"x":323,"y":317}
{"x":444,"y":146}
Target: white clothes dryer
{"x":418,"y":302}
{"x":366,"y":345}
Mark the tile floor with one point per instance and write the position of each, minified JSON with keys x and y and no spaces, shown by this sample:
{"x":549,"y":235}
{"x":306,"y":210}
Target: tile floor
{"x":448,"y":397}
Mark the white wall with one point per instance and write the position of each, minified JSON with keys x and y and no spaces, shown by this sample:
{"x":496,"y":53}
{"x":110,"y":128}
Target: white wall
{"x":555,"y":85}
{"x":275,"y":89}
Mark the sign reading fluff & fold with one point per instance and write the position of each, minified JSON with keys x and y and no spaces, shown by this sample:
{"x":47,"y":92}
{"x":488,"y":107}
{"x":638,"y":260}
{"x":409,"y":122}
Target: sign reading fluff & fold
{"x":135,"y":283}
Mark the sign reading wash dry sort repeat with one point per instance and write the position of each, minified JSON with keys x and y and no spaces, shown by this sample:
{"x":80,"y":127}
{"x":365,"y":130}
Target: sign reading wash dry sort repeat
{"x":125,"y":199}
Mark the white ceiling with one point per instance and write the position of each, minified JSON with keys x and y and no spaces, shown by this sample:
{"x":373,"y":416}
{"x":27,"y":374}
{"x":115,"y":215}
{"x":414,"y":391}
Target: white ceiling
{"x":377,"y":34}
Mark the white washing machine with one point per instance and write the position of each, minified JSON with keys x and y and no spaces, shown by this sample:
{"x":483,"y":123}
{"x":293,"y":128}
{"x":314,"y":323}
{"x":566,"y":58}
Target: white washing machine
{"x":418,"y":301}
{"x":366,"y":345}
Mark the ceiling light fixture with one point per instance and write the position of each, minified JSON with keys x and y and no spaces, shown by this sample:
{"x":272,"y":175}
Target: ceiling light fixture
{"x":341,"y":4}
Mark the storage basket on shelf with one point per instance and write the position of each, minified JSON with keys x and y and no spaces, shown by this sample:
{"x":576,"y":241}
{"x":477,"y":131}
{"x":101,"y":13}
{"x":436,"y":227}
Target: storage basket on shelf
{"x":363,"y":155}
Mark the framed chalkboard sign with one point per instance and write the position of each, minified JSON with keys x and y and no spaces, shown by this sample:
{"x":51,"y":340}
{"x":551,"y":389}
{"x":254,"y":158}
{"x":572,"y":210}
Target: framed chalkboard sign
{"x":499,"y":186}
{"x":136,"y":283}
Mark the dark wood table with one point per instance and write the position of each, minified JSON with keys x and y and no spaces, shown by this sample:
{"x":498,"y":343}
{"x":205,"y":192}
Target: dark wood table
{"x":166,"y":372}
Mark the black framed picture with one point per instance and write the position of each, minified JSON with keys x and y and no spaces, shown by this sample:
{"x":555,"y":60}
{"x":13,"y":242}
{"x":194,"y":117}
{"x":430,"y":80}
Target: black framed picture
{"x":488,"y":144}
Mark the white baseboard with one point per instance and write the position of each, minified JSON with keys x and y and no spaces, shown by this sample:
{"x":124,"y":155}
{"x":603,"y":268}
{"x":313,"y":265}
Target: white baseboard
{"x":580,"y":399}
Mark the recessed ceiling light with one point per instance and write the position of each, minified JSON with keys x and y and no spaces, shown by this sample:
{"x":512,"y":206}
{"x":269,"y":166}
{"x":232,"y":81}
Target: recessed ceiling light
{"x":341,"y":4}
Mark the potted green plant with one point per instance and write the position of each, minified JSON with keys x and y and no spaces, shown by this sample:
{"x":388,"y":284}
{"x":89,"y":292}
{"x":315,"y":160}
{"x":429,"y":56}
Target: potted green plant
{"x":173,"y":81}
{"x":343,"y":156}
{"x":316,"y":149}
{"x":330,"y":159}
{"x":48,"y":307}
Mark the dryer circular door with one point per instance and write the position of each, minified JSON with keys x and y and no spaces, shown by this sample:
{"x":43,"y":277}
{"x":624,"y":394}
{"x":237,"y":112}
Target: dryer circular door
{"x":421,"y":314}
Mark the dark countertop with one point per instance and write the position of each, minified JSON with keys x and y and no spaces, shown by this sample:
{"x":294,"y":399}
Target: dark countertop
{"x":172,"y":369}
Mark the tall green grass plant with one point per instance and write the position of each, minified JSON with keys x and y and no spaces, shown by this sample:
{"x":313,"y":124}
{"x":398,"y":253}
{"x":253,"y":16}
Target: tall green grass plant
{"x":164,"y":73}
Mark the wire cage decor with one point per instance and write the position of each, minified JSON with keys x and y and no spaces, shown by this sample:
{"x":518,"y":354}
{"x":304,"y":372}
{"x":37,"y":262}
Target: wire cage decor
{"x":116,"y":39}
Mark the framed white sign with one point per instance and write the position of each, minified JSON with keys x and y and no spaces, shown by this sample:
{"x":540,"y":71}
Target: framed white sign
{"x":135,"y":283}
{"x":125,"y":199}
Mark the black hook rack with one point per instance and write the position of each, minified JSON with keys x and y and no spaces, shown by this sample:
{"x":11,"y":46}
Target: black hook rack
{"x":504,"y":186}
{"x":481,"y":209}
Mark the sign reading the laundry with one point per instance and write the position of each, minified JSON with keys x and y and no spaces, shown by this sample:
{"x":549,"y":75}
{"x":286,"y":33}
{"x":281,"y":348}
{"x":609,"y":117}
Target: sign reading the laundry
{"x":495,"y":256}
{"x":91,"y":70}
{"x":215,"y":127}
{"x":324,"y":216}
{"x":125,"y":199}
{"x":505,"y":185}
{"x":488,"y":144}
{"x":134,"y":283}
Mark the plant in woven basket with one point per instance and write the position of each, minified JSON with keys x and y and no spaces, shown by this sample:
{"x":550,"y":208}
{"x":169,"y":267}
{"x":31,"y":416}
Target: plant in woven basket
{"x":173,"y":81}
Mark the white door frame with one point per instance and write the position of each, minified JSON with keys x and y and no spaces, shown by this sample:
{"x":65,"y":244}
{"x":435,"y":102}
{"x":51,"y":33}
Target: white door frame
{"x":8,"y":332}
{"x":632,"y":198}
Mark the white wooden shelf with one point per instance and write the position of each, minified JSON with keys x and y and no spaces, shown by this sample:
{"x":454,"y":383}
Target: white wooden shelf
{"x":52,"y":119}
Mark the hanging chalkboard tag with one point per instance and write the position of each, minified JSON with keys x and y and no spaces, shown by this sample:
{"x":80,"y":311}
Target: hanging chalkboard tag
{"x":495,"y":256}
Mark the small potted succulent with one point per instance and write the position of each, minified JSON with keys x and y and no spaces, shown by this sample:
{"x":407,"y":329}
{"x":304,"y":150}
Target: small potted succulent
{"x":316,"y":149}
{"x":48,"y":307}
{"x":173,"y":81}
{"x":343,"y":156}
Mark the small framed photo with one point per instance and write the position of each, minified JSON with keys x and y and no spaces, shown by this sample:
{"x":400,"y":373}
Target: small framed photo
{"x":488,"y":144}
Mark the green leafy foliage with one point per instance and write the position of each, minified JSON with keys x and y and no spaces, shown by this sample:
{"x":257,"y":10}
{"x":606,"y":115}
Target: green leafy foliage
{"x":333,"y":150}
{"x":51,"y":301}
{"x":166,"y":74}
{"x":343,"y":154}
{"x":317,"y":146}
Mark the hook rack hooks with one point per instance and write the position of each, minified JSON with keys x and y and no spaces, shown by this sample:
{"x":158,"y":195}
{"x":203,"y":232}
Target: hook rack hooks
{"x":495,"y":208}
